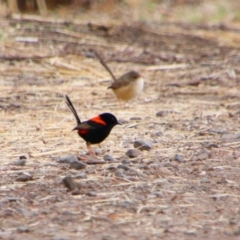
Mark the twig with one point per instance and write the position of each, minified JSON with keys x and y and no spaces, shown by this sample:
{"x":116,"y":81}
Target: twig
{"x":167,"y":67}
{"x":23,"y":58}
{"x":105,"y":65}
{"x":39,"y":19}
{"x":34,"y":155}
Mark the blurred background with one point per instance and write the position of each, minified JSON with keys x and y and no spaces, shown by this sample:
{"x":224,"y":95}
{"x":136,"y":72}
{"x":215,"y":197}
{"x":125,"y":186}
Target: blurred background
{"x":193,"y":11}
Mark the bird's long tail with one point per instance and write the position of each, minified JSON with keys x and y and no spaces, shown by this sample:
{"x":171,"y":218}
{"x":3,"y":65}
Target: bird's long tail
{"x":105,"y":65}
{"x":70,"y":105}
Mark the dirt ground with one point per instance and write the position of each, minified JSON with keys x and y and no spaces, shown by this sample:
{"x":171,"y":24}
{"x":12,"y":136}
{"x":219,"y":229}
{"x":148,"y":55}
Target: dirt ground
{"x":185,"y":187}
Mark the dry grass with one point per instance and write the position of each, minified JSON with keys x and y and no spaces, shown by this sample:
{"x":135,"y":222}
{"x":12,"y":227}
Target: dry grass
{"x":157,"y":197}
{"x":140,"y":10}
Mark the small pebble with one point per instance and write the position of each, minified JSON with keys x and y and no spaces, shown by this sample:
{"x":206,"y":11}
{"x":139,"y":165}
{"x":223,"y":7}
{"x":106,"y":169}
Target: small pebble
{"x":143,"y":145}
{"x":108,"y":158}
{"x":165,"y":171}
{"x":142,"y":166}
{"x":125,"y":144}
{"x":178,"y":157}
{"x":78,"y":165}
{"x":132,"y":153}
{"x":158,"y":194}
{"x":94,"y":93}
{"x":230,"y":137}
{"x":123,"y":121}
{"x":157,"y":134}
{"x":23,"y":229}
{"x":124,"y":204}
{"x":154,"y":164}
{"x":90,"y":54}
{"x":162,"y":113}
{"x":205,"y":180}
{"x":68,"y":159}
{"x":232,"y":231}
{"x":126,"y":161}
{"x":201,"y":133}
{"x":111,"y":168}
{"x":24,"y":177}
{"x":135,"y":119}
{"x":233,"y":220}
{"x":123,"y":166}
{"x":69,"y":183}
{"x":203,"y":154}
{"x":11,"y":199}
{"x":20,"y":162}
{"x":81,"y":175}
{"x":91,"y":194}
{"x":211,"y":145}
{"x":219,"y":196}
{"x":76,"y":191}
{"x":191,"y":232}
{"x":120,"y":173}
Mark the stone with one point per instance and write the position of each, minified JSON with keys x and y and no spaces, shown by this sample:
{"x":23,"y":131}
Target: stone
{"x":23,"y":229}
{"x":124,"y":167}
{"x":81,"y":175}
{"x":178,"y":157}
{"x":143,"y":145}
{"x":68,"y":159}
{"x":78,"y":165}
{"x":120,"y":173}
{"x":108,"y":158}
{"x":24,"y":177}
{"x":19,"y":162}
{"x":69,"y":183}
{"x":162,"y":113}
{"x":132,"y":153}
{"x":135,"y":119}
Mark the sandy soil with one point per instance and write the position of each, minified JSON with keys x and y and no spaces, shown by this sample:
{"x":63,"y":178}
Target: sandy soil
{"x":185,"y":187}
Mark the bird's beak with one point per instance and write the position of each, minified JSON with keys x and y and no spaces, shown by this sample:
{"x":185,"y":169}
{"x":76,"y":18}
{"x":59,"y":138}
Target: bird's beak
{"x":76,"y":128}
{"x":119,"y":123}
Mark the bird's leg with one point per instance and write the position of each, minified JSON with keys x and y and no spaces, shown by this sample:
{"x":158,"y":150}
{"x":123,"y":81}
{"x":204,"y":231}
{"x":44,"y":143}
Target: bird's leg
{"x":126,"y":105}
{"x":92,"y":155}
{"x":90,"y":151}
{"x":120,"y":103}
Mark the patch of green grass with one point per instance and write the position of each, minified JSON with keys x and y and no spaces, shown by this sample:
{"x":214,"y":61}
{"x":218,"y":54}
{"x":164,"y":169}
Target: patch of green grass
{"x":203,"y":11}
{"x":237,"y":16}
{"x":71,"y":27}
{"x":220,"y":15}
{"x":1,"y":35}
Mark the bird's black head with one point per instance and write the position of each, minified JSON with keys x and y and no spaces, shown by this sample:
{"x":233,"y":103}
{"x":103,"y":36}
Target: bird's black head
{"x":109,"y":119}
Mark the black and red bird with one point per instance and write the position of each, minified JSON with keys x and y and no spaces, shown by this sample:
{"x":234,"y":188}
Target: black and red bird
{"x":96,"y":129}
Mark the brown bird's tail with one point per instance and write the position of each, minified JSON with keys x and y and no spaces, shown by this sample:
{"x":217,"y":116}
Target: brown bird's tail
{"x":105,"y":65}
{"x":70,"y":105}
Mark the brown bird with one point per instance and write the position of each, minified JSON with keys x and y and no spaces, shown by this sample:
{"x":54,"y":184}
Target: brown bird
{"x":96,"y":129}
{"x":128,"y":86}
